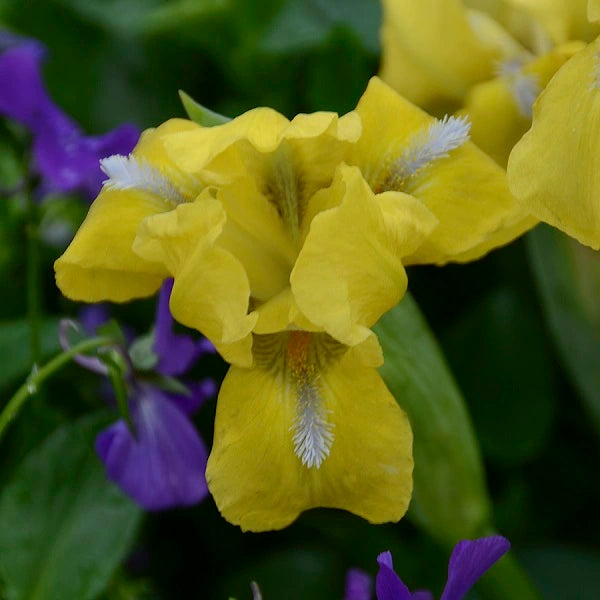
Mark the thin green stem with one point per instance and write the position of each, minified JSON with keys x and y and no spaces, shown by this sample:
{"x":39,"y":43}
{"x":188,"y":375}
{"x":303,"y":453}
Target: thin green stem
{"x":38,"y":376}
{"x":34,"y":299}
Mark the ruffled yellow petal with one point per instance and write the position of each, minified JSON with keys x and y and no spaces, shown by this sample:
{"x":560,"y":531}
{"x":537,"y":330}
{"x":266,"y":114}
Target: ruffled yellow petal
{"x":192,"y":151}
{"x":99,"y":264}
{"x":288,"y":161}
{"x":500,"y":109}
{"x":432,"y":51}
{"x":467,"y":191}
{"x":349,"y":271}
{"x":553,"y":170}
{"x":255,"y":471}
{"x":563,"y":19}
{"x":211,"y":291}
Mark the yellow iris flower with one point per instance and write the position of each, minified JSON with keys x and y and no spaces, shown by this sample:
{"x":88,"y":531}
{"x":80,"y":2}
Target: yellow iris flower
{"x":488,"y":59}
{"x":287,"y":241}
{"x":283,"y":256}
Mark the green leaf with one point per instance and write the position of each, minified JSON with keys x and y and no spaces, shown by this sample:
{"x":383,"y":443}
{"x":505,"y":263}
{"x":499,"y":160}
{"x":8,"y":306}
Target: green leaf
{"x":64,"y":528}
{"x":304,"y":24}
{"x":450,"y":500}
{"x":568,"y":278}
{"x":507,"y":381}
{"x":200,"y":114}
{"x":15,"y":356}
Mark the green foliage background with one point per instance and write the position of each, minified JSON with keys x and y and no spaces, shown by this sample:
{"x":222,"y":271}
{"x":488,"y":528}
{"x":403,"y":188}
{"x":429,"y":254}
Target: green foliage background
{"x":520,"y":331}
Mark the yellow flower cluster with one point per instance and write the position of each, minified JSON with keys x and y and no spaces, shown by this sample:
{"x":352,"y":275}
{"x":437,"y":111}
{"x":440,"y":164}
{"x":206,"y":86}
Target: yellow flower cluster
{"x":502,"y":63}
{"x":287,"y":240}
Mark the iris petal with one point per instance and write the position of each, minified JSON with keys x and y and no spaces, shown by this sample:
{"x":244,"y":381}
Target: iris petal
{"x":349,"y":271}
{"x":553,"y":170}
{"x":254,"y":472}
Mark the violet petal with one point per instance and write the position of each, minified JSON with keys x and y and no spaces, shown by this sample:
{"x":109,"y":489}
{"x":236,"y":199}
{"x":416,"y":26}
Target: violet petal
{"x":200,"y":392}
{"x":163,"y":466}
{"x":469,"y":561}
{"x":23,"y":96}
{"x":176,"y":352}
{"x":359,"y":585}
{"x":387,"y":584}
{"x":422,"y":595}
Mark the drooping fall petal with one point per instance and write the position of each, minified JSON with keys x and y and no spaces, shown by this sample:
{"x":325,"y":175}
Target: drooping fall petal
{"x":311,"y":424}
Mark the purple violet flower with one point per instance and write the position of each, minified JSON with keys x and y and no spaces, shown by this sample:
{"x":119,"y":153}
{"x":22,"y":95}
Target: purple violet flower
{"x":359,"y":585}
{"x":65,"y":158}
{"x":469,"y":561}
{"x":163,"y":464}
{"x":176,"y":353}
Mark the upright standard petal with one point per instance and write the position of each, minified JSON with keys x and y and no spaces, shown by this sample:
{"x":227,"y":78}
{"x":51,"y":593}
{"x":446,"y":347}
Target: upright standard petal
{"x":349,"y":271}
{"x":403,"y":149}
{"x":432,"y":52}
{"x":211,"y":291}
{"x":288,"y":161}
{"x":388,"y":585}
{"x":163,"y":465}
{"x":469,"y":561}
{"x":553,"y":170}
{"x":311,"y":424}
{"x":594,"y":10}
{"x":100,"y":264}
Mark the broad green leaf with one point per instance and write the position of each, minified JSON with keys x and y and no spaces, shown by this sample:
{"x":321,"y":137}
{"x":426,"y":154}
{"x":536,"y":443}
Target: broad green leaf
{"x":304,"y":24}
{"x":15,"y":357}
{"x":200,"y":114}
{"x":450,"y":500}
{"x":568,"y":278}
{"x":498,"y":353}
{"x":64,"y":527}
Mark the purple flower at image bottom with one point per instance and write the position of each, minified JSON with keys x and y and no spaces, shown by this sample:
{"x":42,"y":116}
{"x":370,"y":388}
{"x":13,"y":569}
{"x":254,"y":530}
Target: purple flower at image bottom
{"x":65,"y":159}
{"x":470,"y":559}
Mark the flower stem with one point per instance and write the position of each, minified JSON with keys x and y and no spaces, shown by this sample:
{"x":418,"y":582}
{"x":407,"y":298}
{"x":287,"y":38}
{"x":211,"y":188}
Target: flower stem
{"x":38,"y":376}
{"x":33,"y":280}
